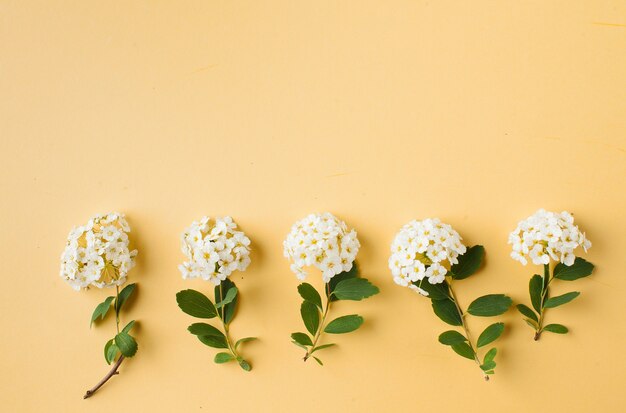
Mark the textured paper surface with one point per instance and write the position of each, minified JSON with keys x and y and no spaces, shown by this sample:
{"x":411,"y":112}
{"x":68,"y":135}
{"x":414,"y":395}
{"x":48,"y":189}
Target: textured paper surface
{"x":380,"y":112}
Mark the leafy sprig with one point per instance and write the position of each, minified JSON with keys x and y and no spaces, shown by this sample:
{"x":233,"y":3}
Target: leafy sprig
{"x":343,"y":286}
{"x":540,"y":295}
{"x":199,"y":305}
{"x":123,"y":344}
{"x":446,"y":306}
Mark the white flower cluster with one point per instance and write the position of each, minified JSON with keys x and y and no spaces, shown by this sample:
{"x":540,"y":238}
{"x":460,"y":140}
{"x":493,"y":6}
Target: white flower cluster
{"x":547,"y":235}
{"x":97,"y":253}
{"x":420,"y":250}
{"x":323,"y":241}
{"x":214,"y":250}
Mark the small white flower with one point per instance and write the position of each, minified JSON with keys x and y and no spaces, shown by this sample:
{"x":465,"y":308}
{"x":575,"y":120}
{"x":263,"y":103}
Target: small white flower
{"x":214,"y":250}
{"x":546,"y":236}
{"x":322,"y":241}
{"x":421,"y":249}
{"x":97,"y":254}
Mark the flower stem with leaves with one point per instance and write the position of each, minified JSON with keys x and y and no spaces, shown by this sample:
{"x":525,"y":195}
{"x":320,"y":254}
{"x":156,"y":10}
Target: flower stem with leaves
{"x":343,"y":286}
{"x":540,"y":295}
{"x":198,"y":305}
{"x":446,"y":306}
{"x":123,"y":345}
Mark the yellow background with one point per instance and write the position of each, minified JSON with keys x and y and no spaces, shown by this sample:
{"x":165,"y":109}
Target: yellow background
{"x":475,"y":112}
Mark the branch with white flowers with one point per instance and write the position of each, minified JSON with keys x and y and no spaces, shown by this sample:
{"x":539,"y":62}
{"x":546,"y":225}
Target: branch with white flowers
{"x":323,"y":241}
{"x":428,"y":256}
{"x":214,"y":250}
{"x":541,"y":238}
{"x":97,"y":255}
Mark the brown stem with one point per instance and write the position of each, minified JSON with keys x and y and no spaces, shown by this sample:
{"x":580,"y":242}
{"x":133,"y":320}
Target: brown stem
{"x":110,"y":374}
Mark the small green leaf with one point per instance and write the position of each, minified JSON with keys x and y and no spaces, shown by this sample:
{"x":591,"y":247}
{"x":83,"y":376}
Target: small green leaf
{"x":244,"y":340}
{"x":579,"y":269}
{"x":302,"y":338}
{"x":527,"y":311}
{"x":126,"y":343}
{"x":451,"y":337}
{"x":447,"y":311}
{"x":123,"y":296}
{"x":203,"y":329}
{"x":561,"y":299}
{"x":110,"y":351}
{"x":309,"y":293}
{"x":464,"y":350}
{"x":208,"y":335}
{"x":490,"y":305}
{"x":221,"y":358}
{"x":490,"y":355}
{"x":490,"y":334}
{"x":128,"y":327}
{"x":531,"y":323}
{"x":489,"y":366}
{"x":310,"y":315}
{"x":318,"y":361}
{"x":354,"y":289}
{"x":468,"y":263}
{"x":344,"y":324}
{"x":101,"y":310}
{"x":227,"y":312}
{"x":195,"y":304}
{"x":352,"y":273}
{"x":439,"y":291}
{"x":230,"y":296}
{"x":556,"y":328}
{"x":245,"y":365}
{"x":300,"y":345}
{"x":322,"y":347}
{"x":535,"y":287}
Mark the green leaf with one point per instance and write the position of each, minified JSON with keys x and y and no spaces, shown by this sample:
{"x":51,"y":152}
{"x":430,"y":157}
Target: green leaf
{"x":101,"y":310}
{"x":195,"y":304}
{"x":532,"y":323}
{"x":561,"y":299}
{"x":451,"y":337}
{"x":221,"y":358}
{"x":491,"y":354}
{"x":110,"y":351}
{"x":300,"y":345}
{"x":490,"y":334}
{"x":556,"y":328}
{"x":302,"y":338}
{"x":309,"y":293}
{"x":468,"y":263}
{"x":535,"y":287}
{"x":527,"y":311}
{"x":310,"y":315}
{"x":435,"y":291}
{"x":245,"y":365}
{"x":318,"y":361}
{"x":490,"y":305}
{"x":354,"y":289}
{"x":447,"y":311}
{"x":126,"y":343}
{"x":322,"y":347}
{"x":128,"y":327}
{"x":579,"y":269}
{"x":227,"y":312}
{"x":244,"y":340}
{"x":230,"y":296}
{"x":463,"y":349}
{"x":208,"y":335}
{"x":344,"y":324}
{"x":353,"y":273}
{"x":123,"y":296}
{"x":489,"y":366}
